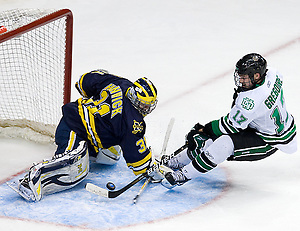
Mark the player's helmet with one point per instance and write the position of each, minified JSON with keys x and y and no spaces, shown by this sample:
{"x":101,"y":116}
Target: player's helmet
{"x":143,"y":95}
{"x":250,"y":64}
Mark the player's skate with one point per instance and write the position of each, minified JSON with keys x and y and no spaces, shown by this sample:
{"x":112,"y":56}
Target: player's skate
{"x":172,"y":162}
{"x":173,"y":179}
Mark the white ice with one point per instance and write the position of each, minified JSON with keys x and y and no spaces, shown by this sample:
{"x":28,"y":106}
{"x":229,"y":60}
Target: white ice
{"x":188,"y":49}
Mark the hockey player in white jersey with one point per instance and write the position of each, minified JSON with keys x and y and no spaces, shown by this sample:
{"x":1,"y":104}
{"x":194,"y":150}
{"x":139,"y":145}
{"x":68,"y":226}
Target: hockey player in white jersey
{"x":257,"y":125}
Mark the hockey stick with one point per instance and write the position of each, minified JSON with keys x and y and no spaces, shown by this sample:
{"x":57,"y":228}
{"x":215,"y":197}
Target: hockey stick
{"x":141,"y":190}
{"x":163,"y":151}
{"x":112,"y":194}
{"x":177,"y":151}
{"x":167,"y":136}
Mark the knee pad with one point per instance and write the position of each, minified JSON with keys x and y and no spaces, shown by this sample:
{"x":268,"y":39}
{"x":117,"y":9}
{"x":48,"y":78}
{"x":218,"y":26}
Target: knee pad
{"x":109,"y":156}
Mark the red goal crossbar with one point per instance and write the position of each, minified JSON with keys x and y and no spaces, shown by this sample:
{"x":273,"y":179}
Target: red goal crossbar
{"x":69,"y":42}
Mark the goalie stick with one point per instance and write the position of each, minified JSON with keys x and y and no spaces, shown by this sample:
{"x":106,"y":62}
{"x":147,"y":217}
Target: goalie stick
{"x":163,"y":151}
{"x":112,"y":194}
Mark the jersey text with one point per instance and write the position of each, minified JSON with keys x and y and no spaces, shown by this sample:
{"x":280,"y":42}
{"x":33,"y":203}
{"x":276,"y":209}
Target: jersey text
{"x":269,"y":102}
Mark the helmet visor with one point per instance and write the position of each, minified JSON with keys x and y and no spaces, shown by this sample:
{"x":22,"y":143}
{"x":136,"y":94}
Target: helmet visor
{"x":243,"y":80}
{"x":237,"y":79}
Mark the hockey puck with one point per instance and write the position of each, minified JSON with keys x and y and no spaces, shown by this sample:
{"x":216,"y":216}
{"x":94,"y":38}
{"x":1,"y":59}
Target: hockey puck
{"x":110,"y":186}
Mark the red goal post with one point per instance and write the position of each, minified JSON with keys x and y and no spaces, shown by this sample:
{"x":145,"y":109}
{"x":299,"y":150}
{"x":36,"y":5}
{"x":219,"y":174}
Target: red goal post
{"x":35,"y":71}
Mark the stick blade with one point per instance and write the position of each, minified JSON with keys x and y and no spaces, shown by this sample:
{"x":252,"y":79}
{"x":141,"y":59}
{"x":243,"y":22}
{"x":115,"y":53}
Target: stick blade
{"x":96,"y":190}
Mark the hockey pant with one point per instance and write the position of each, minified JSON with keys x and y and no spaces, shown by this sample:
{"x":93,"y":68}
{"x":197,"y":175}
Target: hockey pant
{"x":67,"y":140}
{"x":248,"y":146}
{"x":242,"y":146}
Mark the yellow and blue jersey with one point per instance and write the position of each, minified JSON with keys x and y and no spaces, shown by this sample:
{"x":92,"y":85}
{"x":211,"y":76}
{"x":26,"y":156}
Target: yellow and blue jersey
{"x":105,"y":117}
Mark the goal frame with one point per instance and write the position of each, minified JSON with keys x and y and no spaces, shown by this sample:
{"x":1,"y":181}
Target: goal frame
{"x":69,"y":42}
{"x":28,"y":129}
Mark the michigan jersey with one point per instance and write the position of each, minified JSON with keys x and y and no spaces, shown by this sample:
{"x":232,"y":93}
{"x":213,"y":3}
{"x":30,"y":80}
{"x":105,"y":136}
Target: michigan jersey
{"x":263,"y":109}
{"x":105,"y":117}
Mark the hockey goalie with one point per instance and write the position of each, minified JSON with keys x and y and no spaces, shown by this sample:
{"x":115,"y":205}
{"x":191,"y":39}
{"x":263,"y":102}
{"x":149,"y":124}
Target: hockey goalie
{"x":107,"y":122}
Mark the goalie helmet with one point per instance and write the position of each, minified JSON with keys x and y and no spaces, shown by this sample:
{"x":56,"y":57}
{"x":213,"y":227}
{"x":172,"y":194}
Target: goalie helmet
{"x":249,"y":65}
{"x":143,"y":95}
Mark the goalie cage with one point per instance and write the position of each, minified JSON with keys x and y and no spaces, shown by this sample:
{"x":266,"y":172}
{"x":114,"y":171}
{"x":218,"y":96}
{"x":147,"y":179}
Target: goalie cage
{"x":35,"y":69}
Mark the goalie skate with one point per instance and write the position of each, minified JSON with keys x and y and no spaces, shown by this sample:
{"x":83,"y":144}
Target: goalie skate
{"x":21,"y":190}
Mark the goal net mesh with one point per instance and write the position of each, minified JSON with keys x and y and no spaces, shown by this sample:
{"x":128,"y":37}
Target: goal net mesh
{"x":32,"y":66}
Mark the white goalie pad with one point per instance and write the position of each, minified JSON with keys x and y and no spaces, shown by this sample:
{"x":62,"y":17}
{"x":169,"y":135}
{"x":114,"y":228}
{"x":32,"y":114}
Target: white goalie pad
{"x":56,"y":174}
{"x":109,"y":156}
{"x":65,"y":172}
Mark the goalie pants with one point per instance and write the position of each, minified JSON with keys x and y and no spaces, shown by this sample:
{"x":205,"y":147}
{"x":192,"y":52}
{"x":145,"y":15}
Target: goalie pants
{"x":67,"y":140}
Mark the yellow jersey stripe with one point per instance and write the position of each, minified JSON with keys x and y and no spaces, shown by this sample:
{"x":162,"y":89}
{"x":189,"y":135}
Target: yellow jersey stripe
{"x":137,"y":167}
{"x":71,"y":141}
{"x":89,"y":123}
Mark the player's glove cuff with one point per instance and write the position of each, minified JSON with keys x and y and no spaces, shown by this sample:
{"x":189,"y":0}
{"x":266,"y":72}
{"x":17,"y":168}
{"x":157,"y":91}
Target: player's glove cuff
{"x":196,"y":140}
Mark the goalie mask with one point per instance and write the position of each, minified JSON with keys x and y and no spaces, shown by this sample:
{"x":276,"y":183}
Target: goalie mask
{"x":143,"y":95}
{"x":249,"y":65}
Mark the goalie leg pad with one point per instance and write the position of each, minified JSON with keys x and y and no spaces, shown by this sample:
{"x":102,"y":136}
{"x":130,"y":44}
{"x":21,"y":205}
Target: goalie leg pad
{"x":67,"y":171}
{"x":57,"y":174}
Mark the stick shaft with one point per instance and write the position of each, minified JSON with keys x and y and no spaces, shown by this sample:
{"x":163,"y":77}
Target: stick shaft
{"x":141,"y":190}
{"x":163,"y":151}
{"x":167,"y":136}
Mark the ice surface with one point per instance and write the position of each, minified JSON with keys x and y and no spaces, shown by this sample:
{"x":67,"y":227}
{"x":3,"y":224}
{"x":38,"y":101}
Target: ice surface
{"x":188,"y":49}
{"x":92,"y":211}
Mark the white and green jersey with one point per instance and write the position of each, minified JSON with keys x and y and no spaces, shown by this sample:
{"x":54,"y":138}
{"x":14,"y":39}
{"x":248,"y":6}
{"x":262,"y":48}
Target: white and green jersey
{"x":262,"y":108}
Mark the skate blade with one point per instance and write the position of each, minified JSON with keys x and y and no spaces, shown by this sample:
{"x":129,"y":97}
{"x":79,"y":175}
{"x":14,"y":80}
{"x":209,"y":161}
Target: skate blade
{"x":166,"y":184}
{"x":14,"y":187}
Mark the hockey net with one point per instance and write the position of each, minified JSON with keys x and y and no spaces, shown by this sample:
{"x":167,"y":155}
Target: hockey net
{"x":35,"y":71}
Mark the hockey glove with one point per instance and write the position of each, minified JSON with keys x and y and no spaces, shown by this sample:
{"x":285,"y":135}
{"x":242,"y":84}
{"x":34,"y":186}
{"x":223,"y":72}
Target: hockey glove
{"x":155,"y":172}
{"x":196,"y":139}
